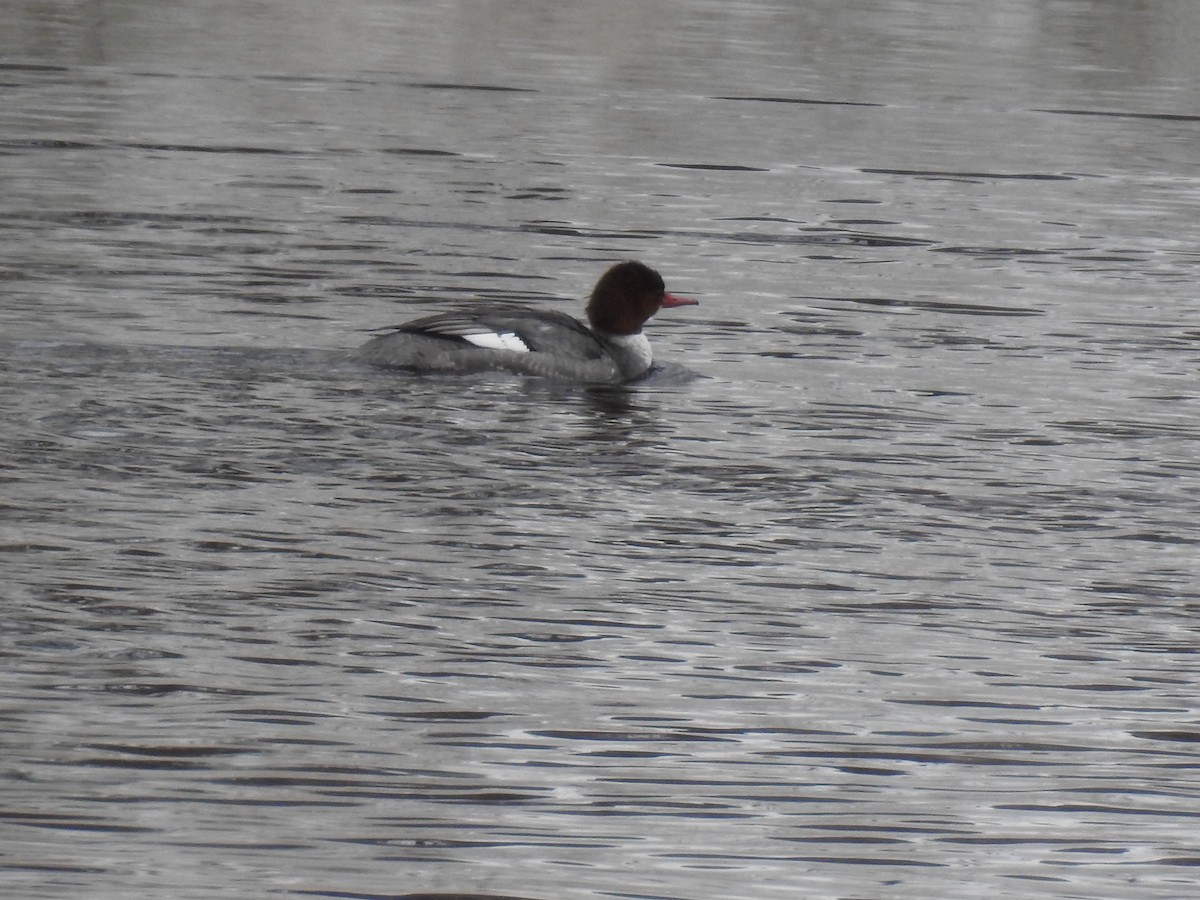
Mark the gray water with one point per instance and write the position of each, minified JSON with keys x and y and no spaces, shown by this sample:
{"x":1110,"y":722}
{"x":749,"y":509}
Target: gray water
{"x":896,"y":596}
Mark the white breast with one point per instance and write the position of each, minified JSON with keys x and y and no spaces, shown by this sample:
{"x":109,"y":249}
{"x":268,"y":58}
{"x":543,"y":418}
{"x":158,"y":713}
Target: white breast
{"x":633,"y":352}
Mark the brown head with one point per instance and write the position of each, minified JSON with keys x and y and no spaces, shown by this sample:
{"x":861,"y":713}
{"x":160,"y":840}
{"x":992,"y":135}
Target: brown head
{"x":626,"y":296}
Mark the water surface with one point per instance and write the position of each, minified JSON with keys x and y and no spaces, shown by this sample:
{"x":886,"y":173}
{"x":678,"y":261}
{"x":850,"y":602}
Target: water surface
{"x":896,"y":597}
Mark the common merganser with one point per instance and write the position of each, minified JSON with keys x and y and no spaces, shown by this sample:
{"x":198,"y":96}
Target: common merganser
{"x":537,"y":342}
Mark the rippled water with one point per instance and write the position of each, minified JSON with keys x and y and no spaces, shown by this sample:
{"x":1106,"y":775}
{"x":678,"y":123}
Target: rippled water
{"x":896,"y":596}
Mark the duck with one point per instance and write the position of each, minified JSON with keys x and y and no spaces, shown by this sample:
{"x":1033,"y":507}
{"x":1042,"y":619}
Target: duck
{"x":609,"y":349}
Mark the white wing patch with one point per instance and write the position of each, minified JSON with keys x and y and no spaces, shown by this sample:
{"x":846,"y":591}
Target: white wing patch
{"x":492,"y":340}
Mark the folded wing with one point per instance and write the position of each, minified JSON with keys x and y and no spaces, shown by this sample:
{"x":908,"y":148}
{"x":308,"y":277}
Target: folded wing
{"x":522,"y":330}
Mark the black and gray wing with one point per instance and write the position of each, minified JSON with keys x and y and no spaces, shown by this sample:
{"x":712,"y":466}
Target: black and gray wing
{"x":521,"y":330}
{"x":525,"y":341}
